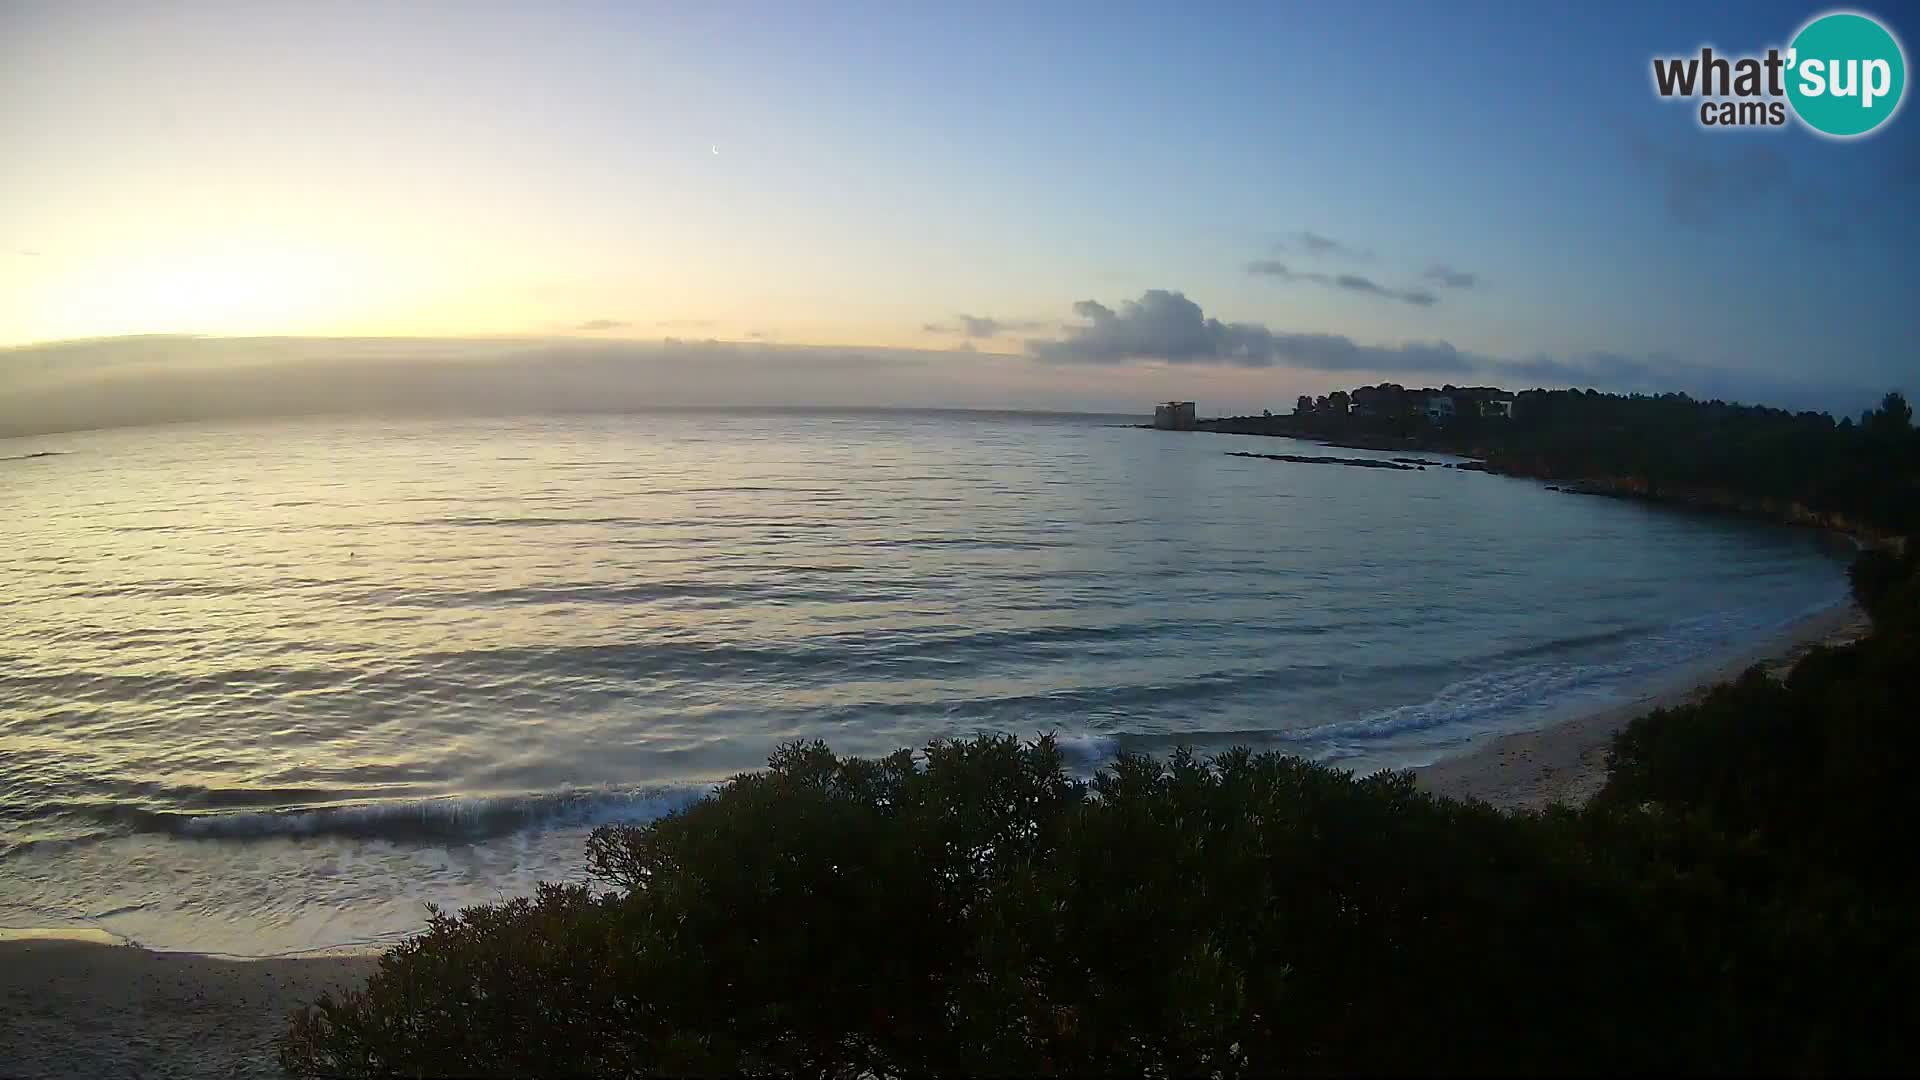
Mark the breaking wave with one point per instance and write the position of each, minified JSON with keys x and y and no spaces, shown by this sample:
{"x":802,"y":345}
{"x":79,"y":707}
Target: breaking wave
{"x":453,"y":819}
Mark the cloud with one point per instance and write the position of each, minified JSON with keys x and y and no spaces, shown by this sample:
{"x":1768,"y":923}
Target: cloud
{"x":1351,"y":282}
{"x":981,"y":326}
{"x":121,"y":382}
{"x":1661,"y":372}
{"x":1356,"y":283}
{"x":684,"y":324}
{"x":1588,"y":369}
{"x":1165,"y":325}
{"x":1704,"y":184}
{"x":29,"y":254}
{"x":1312,"y":243}
{"x":1701,"y":186}
{"x":1449,"y":278}
{"x":116,"y":382}
{"x":600,"y":324}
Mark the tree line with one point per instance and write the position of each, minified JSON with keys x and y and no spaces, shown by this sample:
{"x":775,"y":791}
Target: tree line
{"x":1866,"y":471}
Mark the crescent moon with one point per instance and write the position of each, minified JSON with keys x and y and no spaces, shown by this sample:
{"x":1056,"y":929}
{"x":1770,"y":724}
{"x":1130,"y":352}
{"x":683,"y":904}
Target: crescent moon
{"x":716,"y":151}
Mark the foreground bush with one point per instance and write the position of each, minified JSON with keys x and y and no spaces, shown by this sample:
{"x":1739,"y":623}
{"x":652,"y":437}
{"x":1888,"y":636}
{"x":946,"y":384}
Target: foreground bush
{"x":983,"y":913}
{"x":1740,"y":897}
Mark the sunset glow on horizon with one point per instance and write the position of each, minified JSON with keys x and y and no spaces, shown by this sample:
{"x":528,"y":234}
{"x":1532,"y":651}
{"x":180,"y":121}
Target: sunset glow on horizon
{"x":940,"y":180}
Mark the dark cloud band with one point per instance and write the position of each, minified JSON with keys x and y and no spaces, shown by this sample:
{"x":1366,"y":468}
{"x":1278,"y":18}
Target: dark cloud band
{"x":1274,"y":268}
{"x":1165,"y":325}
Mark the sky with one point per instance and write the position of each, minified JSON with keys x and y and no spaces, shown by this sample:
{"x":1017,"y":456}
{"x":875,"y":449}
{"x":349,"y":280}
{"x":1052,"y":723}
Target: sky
{"x":1047,"y":206}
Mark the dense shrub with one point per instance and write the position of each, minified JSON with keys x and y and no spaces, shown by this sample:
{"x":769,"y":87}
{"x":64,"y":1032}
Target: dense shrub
{"x":1816,"y":774}
{"x":1739,"y":898}
{"x":1817,"y":767}
{"x":1886,"y":584}
{"x":845,"y":917}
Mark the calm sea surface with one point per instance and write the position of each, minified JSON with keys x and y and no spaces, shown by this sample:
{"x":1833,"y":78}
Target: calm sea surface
{"x":272,"y":687}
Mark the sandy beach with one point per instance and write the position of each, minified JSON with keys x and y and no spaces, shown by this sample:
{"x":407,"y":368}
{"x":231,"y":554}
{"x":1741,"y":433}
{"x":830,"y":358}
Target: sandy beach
{"x":86,"y":1009}
{"x":1566,"y":762}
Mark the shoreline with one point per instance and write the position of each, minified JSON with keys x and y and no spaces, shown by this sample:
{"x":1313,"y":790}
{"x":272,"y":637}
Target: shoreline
{"x":1566,"y":760}
{"x":78,"y":1007}
{"x":1626,"y":488}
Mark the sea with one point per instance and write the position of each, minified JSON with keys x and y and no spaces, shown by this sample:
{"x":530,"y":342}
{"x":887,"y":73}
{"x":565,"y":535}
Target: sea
{"x":270,"y":688}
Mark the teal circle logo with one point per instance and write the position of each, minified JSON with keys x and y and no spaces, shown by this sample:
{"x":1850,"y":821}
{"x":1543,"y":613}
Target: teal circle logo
{"x":1845,"y":74}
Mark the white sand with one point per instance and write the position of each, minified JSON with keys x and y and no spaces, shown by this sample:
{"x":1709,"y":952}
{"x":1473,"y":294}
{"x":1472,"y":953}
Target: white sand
{"x":1566,"y":762}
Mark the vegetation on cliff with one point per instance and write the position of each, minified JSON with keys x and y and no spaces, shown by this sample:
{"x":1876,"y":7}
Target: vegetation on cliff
{"x":1738,"y":898}
{"x":1863,"y":476}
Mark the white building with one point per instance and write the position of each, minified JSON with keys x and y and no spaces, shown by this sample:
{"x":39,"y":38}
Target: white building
{"x":1174,"y":416}
{"x":1439,"y":408}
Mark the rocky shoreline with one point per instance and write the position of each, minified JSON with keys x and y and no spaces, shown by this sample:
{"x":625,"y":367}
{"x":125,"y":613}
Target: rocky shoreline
{"x":1360,"y":463}
{"x":1399,"y":464}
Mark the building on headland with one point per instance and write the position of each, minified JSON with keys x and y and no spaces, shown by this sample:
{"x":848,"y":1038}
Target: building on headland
{"x":1174,"y":416}
{"x":1393,"y":408}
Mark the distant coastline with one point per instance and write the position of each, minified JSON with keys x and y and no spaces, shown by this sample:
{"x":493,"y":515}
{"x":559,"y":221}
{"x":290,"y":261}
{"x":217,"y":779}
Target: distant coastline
{"x":1612,"y":487}
{"x":1768,"y":464}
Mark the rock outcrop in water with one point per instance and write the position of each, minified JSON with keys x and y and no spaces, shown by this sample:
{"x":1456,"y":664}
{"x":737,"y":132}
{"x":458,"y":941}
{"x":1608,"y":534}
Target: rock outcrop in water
{"x":1360,"y":463}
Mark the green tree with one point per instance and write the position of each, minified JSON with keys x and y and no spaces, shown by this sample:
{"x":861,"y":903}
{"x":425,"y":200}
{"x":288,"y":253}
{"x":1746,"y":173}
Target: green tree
{"x":1893,"y":420}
